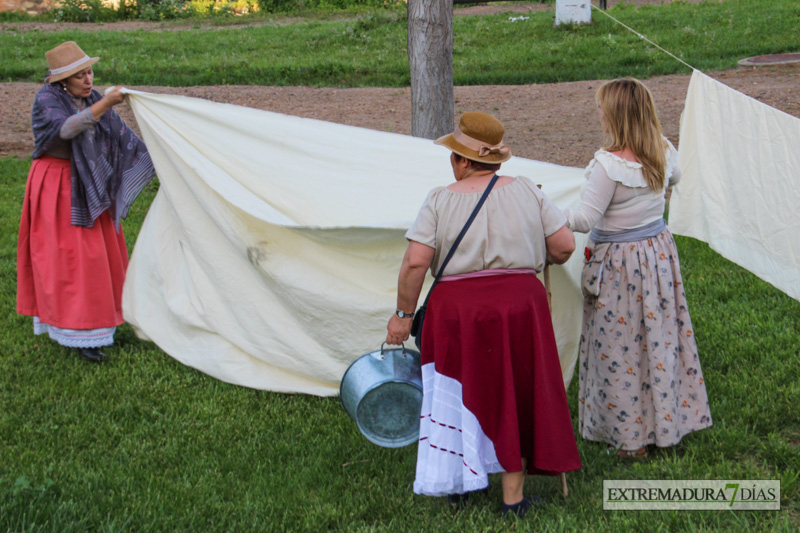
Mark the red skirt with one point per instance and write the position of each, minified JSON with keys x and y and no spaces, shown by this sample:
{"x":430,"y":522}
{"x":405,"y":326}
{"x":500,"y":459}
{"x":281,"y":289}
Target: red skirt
{"x":491,"y":340}
{"x":69,"y":276}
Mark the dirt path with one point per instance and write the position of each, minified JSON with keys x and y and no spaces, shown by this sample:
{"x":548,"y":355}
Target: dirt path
{"x":554,"y":122}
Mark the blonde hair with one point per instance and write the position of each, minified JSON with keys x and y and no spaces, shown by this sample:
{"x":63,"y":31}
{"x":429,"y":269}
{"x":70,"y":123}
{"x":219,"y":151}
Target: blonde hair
{"x":631,"y":121}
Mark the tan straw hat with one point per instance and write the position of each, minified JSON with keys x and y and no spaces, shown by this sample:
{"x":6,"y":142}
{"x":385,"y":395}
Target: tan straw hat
{"x":67,"y":59}
{"x":479,"y":137}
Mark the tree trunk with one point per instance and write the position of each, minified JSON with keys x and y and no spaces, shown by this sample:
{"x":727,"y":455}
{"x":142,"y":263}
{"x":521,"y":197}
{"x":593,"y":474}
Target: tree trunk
{"x":430,"y":61}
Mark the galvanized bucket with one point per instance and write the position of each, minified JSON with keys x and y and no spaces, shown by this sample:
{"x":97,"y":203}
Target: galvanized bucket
{"x":382,"y":392}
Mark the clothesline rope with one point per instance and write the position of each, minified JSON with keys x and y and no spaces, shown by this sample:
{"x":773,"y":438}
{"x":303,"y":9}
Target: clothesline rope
{"x":642,"y":36}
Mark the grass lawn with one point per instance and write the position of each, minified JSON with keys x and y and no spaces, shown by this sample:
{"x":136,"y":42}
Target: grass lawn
{"x":371,"y":50}
{"x":143,"y":443}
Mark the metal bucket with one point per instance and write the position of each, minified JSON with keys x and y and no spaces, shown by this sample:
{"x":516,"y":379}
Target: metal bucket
{"x":382,"y":393}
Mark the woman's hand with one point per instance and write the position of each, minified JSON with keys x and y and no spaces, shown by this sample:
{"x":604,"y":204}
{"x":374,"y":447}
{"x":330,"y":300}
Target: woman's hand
{"x":113,"y":97}
{"x":398,"y":330}
{"x":416,"y":263}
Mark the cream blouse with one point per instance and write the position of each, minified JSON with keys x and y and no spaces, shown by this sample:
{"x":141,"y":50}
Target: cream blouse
{"x":508,"y":232}
{"x":616,"y":196}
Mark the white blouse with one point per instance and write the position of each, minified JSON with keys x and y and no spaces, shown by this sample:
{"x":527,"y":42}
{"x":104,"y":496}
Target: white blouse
{"x":508,"y":232}
{"x":616,"y":196}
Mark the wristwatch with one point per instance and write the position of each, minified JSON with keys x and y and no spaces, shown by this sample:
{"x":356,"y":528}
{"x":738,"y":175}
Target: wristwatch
{"x":403,"y":314}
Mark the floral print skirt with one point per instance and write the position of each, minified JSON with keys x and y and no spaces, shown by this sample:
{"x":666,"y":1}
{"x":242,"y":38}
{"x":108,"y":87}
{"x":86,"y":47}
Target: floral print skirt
{"x":640,"y":376}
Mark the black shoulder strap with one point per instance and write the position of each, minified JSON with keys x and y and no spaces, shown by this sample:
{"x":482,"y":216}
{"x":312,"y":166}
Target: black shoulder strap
{"x":461,"y":235}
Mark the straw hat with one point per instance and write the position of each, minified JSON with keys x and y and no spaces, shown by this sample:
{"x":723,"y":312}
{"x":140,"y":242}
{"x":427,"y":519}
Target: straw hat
{"x":479,"y":137}
{"x":67,"y":59}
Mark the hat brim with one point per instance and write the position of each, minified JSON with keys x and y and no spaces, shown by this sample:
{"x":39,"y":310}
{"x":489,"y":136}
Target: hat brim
{"x":449,"y":141}
{"x":64,"y":75}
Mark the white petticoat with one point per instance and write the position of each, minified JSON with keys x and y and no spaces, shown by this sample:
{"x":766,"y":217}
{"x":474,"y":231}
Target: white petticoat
{"x":454,"y":455}
{"x":75,"y":338}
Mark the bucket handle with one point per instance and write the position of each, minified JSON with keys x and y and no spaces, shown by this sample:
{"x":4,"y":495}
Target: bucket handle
{"x":382,"y":357}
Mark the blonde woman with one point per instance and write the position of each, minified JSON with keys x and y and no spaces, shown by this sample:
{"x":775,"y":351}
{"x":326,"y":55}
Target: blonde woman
{"x":640,"y":377}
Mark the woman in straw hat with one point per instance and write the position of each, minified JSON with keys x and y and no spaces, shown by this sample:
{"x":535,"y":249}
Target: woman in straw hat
{"x":88,"y":167}
{"x":493,"y":394}
{"x":640,"y":377}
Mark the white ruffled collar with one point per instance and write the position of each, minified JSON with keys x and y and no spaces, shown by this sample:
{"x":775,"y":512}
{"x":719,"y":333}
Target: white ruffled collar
{"x":618,"y":159}
{"x":629,"y":173}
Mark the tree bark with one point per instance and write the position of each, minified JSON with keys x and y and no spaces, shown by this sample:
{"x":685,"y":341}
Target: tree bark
{"x":430,"y":61}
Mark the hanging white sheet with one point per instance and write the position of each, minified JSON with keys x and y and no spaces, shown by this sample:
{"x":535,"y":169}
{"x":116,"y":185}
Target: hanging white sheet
{"x":269,"y":257}
{"x":740,"y":189}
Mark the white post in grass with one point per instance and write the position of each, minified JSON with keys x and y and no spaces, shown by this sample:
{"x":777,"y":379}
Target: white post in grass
{"x":430,"y":62}
{"x":573,"y":12}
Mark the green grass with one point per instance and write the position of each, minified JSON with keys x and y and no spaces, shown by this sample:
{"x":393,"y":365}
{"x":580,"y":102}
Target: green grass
{"x":143,"y":443}
{"x":371,"y":50}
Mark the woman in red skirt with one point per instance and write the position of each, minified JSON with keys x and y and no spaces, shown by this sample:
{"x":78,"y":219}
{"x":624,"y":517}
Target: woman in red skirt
{"x":88,"y":167}
{"x":493,"y":393}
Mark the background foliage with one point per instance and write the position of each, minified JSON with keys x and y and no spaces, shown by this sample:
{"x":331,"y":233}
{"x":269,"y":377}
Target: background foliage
{"x":370,"y":49}
{"x":154,"y":10}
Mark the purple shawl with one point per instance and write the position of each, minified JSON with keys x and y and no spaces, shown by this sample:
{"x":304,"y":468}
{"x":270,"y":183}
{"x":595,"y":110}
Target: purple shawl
{"x":109,"y":168}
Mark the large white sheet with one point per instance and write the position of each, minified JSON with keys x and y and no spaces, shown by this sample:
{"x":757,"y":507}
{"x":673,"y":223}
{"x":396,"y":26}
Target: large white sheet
{"x":269,"y":257}
{"x":740,"y":189}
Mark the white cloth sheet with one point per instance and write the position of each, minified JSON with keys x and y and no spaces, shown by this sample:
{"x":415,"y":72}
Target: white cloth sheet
{"x":740,"y":188}
{"x":269,"y":257}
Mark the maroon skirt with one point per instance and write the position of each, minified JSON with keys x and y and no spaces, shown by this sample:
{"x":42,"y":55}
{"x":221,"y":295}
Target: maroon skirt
{"x":69,"y":276}
{"x":494,"y":336}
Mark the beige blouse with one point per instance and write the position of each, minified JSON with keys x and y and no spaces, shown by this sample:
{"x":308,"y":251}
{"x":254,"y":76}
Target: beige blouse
{"x":508,"y":232}
{"x":616,"y":196}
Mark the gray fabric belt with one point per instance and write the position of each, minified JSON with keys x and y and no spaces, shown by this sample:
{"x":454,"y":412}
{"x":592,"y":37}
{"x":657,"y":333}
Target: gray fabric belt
{"x":629,"y":235}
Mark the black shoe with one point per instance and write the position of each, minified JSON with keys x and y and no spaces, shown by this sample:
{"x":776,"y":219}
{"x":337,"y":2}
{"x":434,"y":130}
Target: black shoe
{"x":459,"y":501}
{"x":521,"y":509}
{"x":92,"y":354}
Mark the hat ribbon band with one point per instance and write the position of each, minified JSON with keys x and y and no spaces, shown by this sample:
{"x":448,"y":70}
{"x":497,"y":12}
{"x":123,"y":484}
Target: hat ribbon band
{"x":481,"y":147}
{"x":61,"y":70}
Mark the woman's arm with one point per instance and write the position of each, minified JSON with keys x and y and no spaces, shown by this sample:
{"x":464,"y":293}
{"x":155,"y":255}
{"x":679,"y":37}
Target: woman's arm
{"x":560,"y":246}
{"x":416,"y":262}
{"x":80,"y":122}
{"x":675,"y":177}
{"x":76,"y":124}
{"x":595,"y":199}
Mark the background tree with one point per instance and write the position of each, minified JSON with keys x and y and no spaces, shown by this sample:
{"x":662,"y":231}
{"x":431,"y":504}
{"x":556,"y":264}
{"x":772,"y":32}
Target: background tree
{"x":430,"y":61}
